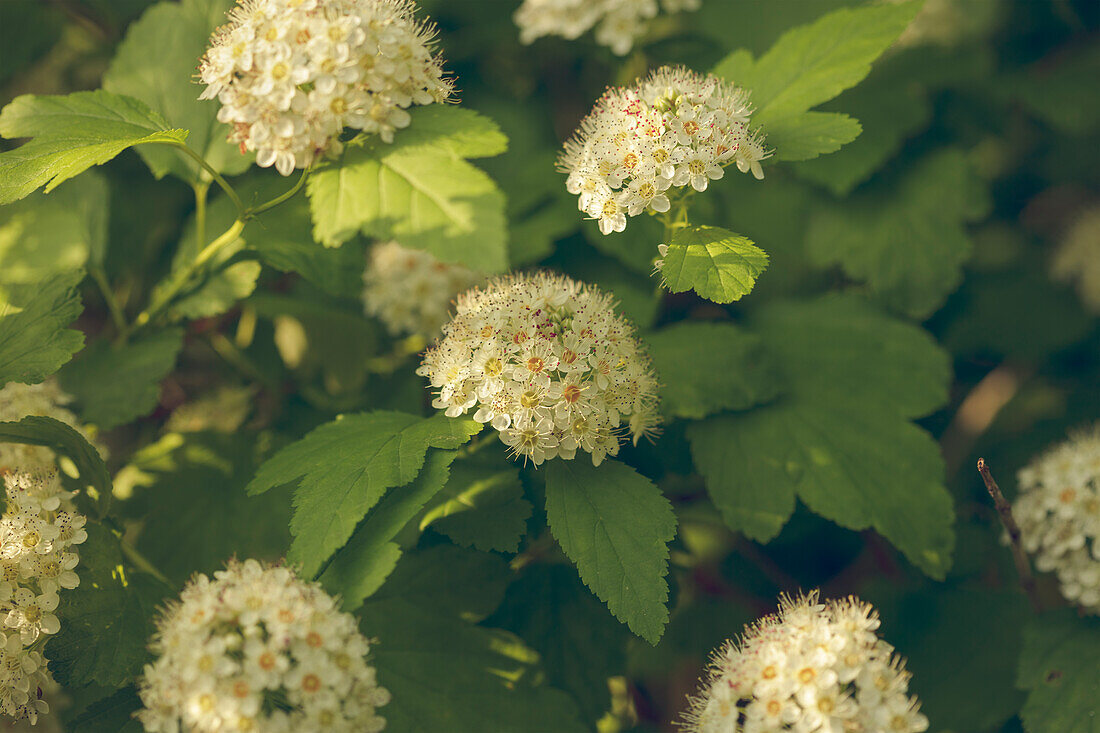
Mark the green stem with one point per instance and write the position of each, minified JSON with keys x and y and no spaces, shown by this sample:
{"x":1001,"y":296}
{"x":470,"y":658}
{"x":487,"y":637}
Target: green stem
{"x":165,"y":298}
{"x":279,"y":199}
{"x":100,"y":278}
{"x":200,"y":212}
{"x":140,"y":562}
{"x":486,"y":438}
{"x":224,"y":184}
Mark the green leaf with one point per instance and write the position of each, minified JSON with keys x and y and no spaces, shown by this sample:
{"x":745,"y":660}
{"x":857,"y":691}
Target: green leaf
{"x":419,"y":190}
{"x":195,"y":514}
{"x":36,"y":430}
{"x":71,"y":134}
{"x":615,"y":525}
{"x":975,"y":633}
{"x":1051,"y":90}
{"x":106,"y":621}
{"x":113,"y":712}
{"x":1060,"y":669}
{"x":34,"y":342}
{"x":812,"y":64}
{"x":451,"y":581}
{"x":482,"y":505}
{"x":363,"y":564}
{"x":841,"y":439}
{"x":345,"y":467}
{"x":907,"y":242}
{"x":709,"y":367}
{"x":45,"y":234}
{"x":812,"y":134}
{"x":116,"y":384}
{"x":156,"y":63}
{"x":717,"y":264}
{"x":581,"y":646}
{"x":447,"y":674}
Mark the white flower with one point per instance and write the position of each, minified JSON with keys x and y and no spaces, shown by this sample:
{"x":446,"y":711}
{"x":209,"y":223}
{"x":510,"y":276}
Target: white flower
{"x":673,"y":129}
{"x":1058,"y":511}
{"x":292,"y":74}
{"x":809,"y":667}
{"x":253,"y":634}
{"x":618,"y":23}
{"x":18,"y":401}
{"x":548,"y":363}
{"x":1078,"y":258}
{"x":39,"y":533}
{"x":410,"y":291}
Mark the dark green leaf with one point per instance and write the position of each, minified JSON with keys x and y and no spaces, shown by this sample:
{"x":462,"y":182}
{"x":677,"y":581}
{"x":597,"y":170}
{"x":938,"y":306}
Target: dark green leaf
{"x":194,"y":511}
{"x":615,"y":525}
{"x":841,"y":440}
{"x":116,"y":384}
{"x":709,"y":367}
{"x":34,"y":340}
{"x":1060,"y":670}
{"x":106,"y":621}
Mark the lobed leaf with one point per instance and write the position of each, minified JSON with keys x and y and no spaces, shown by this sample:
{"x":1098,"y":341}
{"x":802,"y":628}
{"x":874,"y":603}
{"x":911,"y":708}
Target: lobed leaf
{"x":418,"y":190}
{"x":717,"y":264}
{"x":1060,"y":670}
{"x":38,"y":430}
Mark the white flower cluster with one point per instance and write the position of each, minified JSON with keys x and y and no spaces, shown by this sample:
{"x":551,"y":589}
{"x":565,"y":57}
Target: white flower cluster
{"x":810,"y":667}
{"x":18,"y":401}
{"x":1078,"y":258}
{"x":674,"y":128}
{"x":1058,"y":511}
{"x":257,"y":649}
{"x":410,"y":291}
{"x":618,"y":23}
{"x":39,"y":533}
{"x":547,"y":362}
{"x":292,"y":74}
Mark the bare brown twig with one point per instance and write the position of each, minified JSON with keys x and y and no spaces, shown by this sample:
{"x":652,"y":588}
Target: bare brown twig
{"x":1004,"y":509}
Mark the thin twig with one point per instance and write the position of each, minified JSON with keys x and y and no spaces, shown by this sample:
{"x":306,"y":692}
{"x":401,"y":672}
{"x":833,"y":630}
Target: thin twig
{"x":1004,"y":509}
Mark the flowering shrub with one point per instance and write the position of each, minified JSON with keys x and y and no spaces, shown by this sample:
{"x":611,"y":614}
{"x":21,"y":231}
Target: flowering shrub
{"x":452,"y":367}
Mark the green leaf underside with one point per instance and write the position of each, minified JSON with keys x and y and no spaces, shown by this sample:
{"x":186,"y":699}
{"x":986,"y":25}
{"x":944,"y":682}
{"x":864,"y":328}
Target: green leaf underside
{"x":841,"y":439}
{"x":34,"y":340}
{"x":46,"y":234}
{"x":363,"y":564}
{"x":106,"y":621}
{"x":194,"y":510}
{"x":344,"y":468}
{"x":812,"y":64}
{"x":115,"y":384}
{"x":419,"y":190}
{"x":709,"y":367}
{"x":1060,"y":670}
{"x":909,"y":243}
{"x":156,"y":63}
{"x":71,"y":134}
{"x":615,"y":525}
{"x":36,"y":430}
{"x":445,"y":673}
{"x":717,"y":264}
{"x":481,"y":506}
